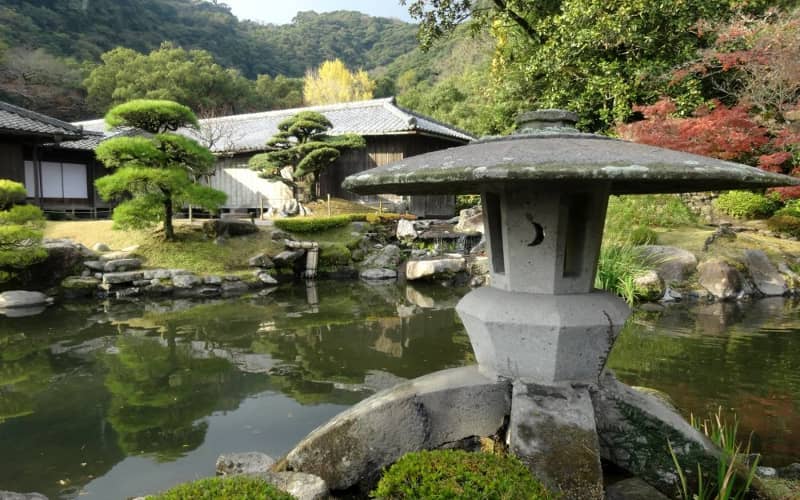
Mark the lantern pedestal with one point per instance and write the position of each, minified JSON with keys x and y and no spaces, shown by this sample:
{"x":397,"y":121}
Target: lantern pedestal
{"x":543,"y":339}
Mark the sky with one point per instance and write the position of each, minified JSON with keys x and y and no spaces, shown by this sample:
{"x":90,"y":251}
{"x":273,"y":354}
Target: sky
{"x":282,"y":11}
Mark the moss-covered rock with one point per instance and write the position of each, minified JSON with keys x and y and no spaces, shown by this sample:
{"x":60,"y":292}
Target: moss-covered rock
{"x":79,"y":286}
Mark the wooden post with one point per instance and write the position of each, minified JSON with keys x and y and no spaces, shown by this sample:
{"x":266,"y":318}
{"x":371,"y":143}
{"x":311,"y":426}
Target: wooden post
{"x":380,"y":205}
{"x":329,"y":204}
{"x":260,"y":207}
{"x":191,"y":214}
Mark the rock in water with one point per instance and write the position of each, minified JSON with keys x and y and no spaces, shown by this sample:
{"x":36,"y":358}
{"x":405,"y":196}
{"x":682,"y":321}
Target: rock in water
{"x":251,"y":462}
{"x":765,"y":275}
{"x":22,"y":298}
{"x":433,"y":268}
{"x":721,"y":279}
{"x":672,"y":264}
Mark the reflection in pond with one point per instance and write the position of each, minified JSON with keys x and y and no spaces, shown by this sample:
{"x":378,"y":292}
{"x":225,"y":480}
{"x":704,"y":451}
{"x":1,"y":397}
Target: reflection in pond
{"x":744,"y":357}
{"x":109,"y":401}
{"x":114,"y":400}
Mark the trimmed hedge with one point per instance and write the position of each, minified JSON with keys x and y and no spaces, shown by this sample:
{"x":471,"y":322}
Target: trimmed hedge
{"x":459,"y":474}
{"x":746,"y":204}
{"x":311,"y":224}
{"x":233,"y":488}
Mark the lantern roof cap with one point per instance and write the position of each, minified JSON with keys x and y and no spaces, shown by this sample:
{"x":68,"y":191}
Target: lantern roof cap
{"x":549,"y":152}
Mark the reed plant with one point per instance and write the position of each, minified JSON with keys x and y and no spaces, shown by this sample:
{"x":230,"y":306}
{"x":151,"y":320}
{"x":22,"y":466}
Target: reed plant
{"x":734,"y":474}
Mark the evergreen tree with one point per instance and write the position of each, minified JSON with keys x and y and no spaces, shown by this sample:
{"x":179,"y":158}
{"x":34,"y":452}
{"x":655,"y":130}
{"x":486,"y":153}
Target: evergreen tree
{"x":303,"y":144}
{"x":156,"y":170}
{"x":20,"y":231}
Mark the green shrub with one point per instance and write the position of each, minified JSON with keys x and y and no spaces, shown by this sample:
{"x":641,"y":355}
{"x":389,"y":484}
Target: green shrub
{"x":388,"y":217}
{"x":23,"y":215}
{"x":215,"y":488}
{"x":746,"y":204}
{"x":642,"y":235}
{"x":20,"y":235}
{"x":458,"y":474}
{"x":661,"y":210}
{"x":792,"y":208}
{"x":788,"y":224}
{"x":10,"y":193}
{"x":467,"y":201}
{"x":333,"y":254}
{"x":311,"y":224}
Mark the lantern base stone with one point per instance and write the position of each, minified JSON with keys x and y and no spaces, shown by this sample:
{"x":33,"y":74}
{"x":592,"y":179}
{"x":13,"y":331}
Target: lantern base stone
{"x":552,"y":430}
{"x":539,"y":338}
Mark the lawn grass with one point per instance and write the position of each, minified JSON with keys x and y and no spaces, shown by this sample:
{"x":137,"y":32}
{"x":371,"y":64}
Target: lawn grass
{"x":191,"y":250}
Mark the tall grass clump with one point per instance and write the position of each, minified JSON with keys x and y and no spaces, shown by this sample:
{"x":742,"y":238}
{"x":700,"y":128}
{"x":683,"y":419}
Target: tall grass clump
{"x":734,"y":475}
{"x":620,"y":263}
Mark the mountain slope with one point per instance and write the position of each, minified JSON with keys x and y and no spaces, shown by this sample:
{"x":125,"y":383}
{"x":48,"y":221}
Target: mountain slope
{"x":84,"y":29}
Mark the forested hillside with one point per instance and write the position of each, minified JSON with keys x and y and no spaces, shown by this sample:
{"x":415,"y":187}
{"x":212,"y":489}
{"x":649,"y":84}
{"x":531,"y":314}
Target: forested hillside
{"x":84,"y":29}
{"x":49,"y":47}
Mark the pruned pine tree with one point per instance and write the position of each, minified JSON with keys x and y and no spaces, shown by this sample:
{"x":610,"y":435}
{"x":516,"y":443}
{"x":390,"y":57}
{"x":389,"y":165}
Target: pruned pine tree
{"x":303,"y":144}
{"x":157,"y":170}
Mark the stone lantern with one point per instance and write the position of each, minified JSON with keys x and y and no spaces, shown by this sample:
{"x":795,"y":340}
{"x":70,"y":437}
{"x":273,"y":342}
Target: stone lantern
{"x":541,"y":327}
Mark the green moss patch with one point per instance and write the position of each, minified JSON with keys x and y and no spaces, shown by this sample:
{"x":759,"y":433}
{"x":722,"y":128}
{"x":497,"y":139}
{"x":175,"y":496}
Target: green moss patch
{"x":233,"y":488}
{"x":459,"y":474}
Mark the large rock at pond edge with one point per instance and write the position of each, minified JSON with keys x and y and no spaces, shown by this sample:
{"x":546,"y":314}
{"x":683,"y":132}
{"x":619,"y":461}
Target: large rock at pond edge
{"x":765,"y":276}
{"x":228,"y":228}
{"x":470,"y":221}
{"x":649,"y":285}
{"x":260,"y":260}
{"x":434,"y":268}
{"x":79,"y":286}
{"x":635,"y":431}
{"x":287,"y":258}
{"x":186,"y":281}
{"x":405,"y":230}
{"x":387,"y":257}
{"x":425,"y":413}
{"x":119,"y":265}
{"x":633,"y":489}
{"x":552,"y":431}
{"x":23,"y":298}
{"x":119,"y":278}
{"x":10,"y":495}
{"x":672,"y":264}
{"x":721,"y":279}
{"x":298,"y":484}
{"x":251,"y":462}
{"x":378,"y":274}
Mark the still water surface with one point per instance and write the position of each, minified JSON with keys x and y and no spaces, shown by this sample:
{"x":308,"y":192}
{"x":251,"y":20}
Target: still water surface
{"x":107,"y":401}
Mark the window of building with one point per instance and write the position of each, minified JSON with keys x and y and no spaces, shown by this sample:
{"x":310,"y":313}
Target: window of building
{"x":58,"y":180}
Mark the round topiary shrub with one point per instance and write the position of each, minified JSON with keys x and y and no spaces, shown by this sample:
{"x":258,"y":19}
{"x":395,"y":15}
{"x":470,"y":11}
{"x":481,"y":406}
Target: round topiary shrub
{"x":746,"y":204}
{"x":459,"y":474}
{"x":234,"y":488}
{"x":11,"y":193}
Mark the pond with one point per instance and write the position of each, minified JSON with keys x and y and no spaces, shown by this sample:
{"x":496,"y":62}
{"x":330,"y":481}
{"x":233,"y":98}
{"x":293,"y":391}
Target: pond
{"x":107,"y":401}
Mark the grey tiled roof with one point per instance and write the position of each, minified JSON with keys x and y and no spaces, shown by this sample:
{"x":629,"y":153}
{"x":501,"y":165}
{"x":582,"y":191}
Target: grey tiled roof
{"x":249,"y":132}
{"x":20,"y":121}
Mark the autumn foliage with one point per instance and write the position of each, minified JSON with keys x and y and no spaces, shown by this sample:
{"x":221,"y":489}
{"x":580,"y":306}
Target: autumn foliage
{"x":727,"y":133}
{"x":751,"y":90}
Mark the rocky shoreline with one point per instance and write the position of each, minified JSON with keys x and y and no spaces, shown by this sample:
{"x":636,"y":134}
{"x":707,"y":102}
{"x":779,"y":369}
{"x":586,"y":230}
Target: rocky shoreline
{"x":448,"y":252}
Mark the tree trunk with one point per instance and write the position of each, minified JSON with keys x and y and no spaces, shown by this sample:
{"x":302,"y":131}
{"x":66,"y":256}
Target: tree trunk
{"x":169,"y":232}
{"x":314,"y":185}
